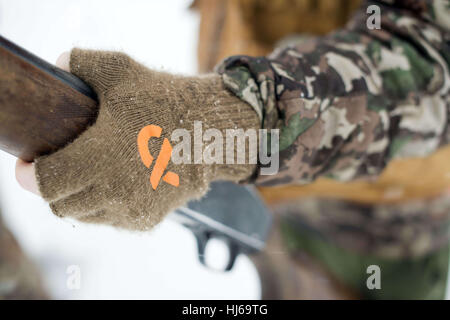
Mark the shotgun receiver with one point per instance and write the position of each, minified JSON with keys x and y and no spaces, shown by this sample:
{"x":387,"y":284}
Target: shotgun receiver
{"x":42,"y":108}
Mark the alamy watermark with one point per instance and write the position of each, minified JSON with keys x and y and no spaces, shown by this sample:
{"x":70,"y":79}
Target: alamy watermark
{"x":241,"y":147}
{"x":374,"y":20}
{"x":73,"y":281}
{"x":374,"y":280}
{"x":208,"y":147}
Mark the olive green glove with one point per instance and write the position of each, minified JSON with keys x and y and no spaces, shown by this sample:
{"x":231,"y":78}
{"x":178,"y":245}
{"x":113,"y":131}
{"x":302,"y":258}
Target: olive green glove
{"x":102,"y":176}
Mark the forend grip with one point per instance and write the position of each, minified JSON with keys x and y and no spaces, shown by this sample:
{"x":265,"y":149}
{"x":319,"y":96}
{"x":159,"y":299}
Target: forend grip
{"x":42,"y":108}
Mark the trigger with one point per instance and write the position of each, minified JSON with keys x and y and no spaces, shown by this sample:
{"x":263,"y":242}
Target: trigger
{"x":202,"y":240}
{"x":233,"y":253}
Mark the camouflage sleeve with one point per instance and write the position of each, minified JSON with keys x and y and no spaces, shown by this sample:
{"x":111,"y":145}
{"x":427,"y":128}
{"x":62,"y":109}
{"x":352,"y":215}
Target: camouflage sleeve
{"x":348,"y":103}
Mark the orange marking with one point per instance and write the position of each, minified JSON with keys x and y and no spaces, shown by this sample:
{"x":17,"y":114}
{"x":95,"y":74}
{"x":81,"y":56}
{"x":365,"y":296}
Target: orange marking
{"x":172,"y":178}
{"x":163,"y":159}
{"x":144,"y":136}
{"x":161,"y":163}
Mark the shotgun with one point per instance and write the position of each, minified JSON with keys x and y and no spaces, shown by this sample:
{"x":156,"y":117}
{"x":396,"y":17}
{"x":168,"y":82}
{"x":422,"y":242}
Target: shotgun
{"x":43,"y":108}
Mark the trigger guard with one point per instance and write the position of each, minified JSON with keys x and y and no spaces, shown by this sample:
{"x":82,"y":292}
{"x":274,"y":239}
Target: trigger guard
{"x":202,"y":240}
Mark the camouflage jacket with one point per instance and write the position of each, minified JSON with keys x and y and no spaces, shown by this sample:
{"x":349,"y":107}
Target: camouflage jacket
{"x":348,"y":103}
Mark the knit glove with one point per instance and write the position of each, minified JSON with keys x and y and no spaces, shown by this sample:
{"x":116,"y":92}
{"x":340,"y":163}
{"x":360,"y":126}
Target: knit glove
{"x":105,"y":177}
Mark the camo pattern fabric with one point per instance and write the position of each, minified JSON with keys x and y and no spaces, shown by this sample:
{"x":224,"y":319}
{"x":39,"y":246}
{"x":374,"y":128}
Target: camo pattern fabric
{"x":422,"y":276}
{"x":415,"y":227}
{"x":348,"y":103}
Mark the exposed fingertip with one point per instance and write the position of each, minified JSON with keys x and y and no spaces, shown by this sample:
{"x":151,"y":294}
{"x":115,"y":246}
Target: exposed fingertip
{"x":63,"y":61}
{"x":25,"y":176}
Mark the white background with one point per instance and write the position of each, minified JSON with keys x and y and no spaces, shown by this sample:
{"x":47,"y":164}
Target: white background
{"x":161,"y":264}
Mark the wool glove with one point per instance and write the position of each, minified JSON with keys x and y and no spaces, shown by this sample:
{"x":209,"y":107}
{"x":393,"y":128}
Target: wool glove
{"x":102,"y":177}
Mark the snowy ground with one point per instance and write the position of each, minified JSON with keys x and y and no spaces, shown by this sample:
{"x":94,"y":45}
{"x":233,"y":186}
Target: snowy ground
{"x":114,"y":264}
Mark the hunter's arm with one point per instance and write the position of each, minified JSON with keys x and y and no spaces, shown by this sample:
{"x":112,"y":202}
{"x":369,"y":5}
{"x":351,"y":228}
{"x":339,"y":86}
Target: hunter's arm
{"x":348,"y":103}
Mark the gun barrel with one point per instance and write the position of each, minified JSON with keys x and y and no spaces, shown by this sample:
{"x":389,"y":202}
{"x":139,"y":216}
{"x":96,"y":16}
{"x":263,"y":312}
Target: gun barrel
{"x":42,"y":107}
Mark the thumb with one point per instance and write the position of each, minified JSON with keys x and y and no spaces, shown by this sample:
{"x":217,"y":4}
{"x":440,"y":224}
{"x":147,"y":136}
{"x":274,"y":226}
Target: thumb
{"x":99,"y":69}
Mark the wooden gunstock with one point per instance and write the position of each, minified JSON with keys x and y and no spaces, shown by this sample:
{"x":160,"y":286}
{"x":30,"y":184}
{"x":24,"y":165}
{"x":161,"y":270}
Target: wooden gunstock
{"x":42,"y":107}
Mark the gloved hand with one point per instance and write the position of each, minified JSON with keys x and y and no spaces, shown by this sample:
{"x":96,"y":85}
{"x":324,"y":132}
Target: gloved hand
{"x":100,"y":177}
